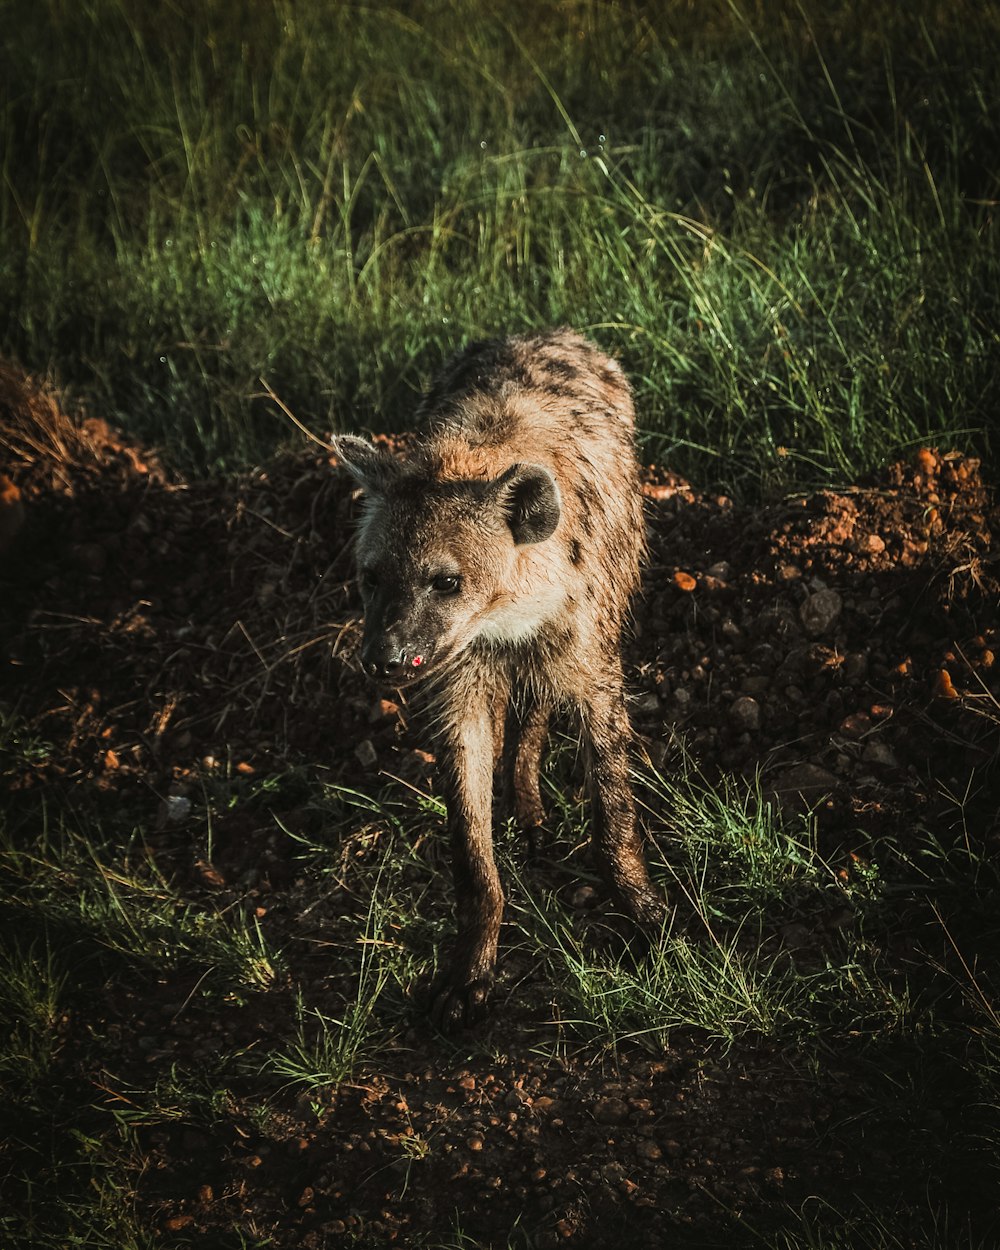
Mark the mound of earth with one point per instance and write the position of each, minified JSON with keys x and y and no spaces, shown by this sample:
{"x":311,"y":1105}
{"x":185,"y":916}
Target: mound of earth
{"x":830,"y":644}
{"x":837,"y":649}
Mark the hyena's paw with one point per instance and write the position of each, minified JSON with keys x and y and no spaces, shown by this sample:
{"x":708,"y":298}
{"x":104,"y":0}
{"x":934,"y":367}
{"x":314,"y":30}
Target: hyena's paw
{"x":457,"y":1003}
{"x":649,"y":910}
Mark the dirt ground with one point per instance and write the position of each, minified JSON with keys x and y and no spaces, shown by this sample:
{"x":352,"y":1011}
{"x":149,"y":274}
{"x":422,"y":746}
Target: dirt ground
{"x":841,"y":646}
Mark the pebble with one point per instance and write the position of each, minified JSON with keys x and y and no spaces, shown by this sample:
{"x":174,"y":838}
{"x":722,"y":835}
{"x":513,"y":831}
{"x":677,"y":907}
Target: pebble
{"x":366,"y":753}
{"x":820,"y":612}
{"x":803,"y":785}
{"x":745,"y":714}
{"x":610,"y":1111}
{"x":880,"y":754}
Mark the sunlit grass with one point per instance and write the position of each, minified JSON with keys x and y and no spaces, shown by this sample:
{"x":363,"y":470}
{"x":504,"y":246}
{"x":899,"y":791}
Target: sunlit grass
{"x":782,"y":226}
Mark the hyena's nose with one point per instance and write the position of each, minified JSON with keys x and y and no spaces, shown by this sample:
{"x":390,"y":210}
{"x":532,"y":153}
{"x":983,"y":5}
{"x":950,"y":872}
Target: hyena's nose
{"x":385,"y":663}
{"x":388,"y":668}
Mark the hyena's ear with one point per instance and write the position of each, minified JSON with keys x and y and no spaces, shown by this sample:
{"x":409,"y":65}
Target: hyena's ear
{"x":373,"y":466}
{"x":528,"y":497}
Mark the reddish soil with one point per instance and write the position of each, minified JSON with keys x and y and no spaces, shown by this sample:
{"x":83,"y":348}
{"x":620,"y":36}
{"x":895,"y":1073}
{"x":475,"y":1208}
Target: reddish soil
{"x":840,"y":645}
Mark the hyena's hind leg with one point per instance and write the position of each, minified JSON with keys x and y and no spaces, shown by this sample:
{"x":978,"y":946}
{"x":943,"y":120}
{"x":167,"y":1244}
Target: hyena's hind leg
{"x":607,"y":736}
{"x":524,"y":743}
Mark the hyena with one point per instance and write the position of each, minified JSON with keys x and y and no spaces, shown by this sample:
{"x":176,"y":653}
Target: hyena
{"x":497,"y":560}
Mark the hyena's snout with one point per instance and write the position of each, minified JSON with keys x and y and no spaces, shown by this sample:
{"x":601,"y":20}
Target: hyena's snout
{"x":389,"y":657}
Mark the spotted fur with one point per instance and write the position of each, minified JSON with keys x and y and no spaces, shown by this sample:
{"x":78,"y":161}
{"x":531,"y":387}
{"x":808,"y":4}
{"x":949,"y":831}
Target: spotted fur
{"x":524,"y":489}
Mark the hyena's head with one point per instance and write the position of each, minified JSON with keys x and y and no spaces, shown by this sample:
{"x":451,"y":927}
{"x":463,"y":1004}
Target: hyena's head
{"x":435,"y":555}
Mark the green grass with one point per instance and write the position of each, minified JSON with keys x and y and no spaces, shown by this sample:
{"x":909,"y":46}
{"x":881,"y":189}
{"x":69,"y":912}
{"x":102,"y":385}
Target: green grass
{"x":741,"y":874}
{"x":780,"y":217}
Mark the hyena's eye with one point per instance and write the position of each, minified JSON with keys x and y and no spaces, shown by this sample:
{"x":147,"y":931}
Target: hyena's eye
{"x":447,"y":584}
{"x":369,"y":579}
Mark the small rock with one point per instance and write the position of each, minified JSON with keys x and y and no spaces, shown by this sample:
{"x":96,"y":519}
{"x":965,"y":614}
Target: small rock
{"x":610,"y":1111}
{"x":745,"y":714}
{"x":649,"y":1151}
{"x":475,"y":1142}
{"x":856,"y":724}
{"x":366,"y":754}
{"x":584,"y":898}
{"x":174,"y":809}
{"x":802,"y":786}
{"x":820,"y":612}
{"x":881,"y":754}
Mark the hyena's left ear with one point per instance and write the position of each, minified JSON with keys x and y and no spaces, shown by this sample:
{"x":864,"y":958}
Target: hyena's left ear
{"x":528,"y":497}
{"x":373,"y":466}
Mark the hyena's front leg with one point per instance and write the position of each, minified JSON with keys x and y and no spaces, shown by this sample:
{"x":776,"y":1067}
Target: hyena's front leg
{"x":460,"y":995}
{"x":608,"y":738}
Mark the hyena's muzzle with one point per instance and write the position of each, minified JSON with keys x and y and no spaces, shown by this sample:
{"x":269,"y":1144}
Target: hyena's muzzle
{"x":399,"y":644}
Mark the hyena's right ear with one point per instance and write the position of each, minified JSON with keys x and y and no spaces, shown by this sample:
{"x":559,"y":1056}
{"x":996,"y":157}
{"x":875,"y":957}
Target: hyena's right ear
{"x":372,"y":466}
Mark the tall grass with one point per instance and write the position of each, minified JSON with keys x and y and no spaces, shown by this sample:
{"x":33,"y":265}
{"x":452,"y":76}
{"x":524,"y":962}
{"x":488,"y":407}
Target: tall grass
{"x":780,"y":215}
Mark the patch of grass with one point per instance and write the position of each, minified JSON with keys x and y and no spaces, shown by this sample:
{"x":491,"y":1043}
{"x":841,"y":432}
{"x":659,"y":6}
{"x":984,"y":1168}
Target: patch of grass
{"x":734,"y":960}
{"x":32,"y":1012}
{"x":781,"y":222}
{"x":326,"y":1051}
{"x":67,"y":881}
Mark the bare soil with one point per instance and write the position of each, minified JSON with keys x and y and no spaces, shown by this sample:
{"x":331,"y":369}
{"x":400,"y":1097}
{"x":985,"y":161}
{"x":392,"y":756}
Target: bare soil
{"x":839,"y":647}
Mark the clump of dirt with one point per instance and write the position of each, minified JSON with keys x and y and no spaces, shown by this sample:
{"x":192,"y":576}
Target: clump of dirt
{"x":839,"y":648}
